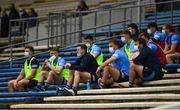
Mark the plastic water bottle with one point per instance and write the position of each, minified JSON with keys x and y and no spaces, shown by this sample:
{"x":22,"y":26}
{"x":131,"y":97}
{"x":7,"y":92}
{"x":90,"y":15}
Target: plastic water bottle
{"x":88,"y":85}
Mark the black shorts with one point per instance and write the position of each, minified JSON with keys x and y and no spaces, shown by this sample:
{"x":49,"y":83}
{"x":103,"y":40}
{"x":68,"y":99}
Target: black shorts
{"x":150,"y":74}
{"x":123,"y":79}
{"x":32,"y":83}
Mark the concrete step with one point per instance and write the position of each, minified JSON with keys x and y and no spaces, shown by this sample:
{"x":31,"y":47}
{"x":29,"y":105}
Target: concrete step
{"x":113,"y":98}
{"x":163,"y":82}
{"x":107,"y":106}
{"x":138,"y":90}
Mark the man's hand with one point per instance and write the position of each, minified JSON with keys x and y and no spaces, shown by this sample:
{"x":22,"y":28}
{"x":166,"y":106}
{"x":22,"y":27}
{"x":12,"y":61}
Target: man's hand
{"x":98,"y":72}
{"x":67,"y":65}
{"x":15,"y":83}
{"x":46,"y":61}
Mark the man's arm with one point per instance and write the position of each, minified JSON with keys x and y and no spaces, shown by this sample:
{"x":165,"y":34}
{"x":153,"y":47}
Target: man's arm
{"x":21,"y":75}
{"x":140,"y":58}
{"x":172,"y":49}
{"x":82,"y":64}
{"x":108,"y":61}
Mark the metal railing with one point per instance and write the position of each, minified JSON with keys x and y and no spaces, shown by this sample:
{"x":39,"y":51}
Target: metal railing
{"x":68,"y":35}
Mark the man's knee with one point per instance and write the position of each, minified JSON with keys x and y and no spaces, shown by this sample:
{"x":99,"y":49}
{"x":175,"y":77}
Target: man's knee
{"x":23,"y":82}
{"x":106,"y":68}
{"x":11,"y":82}
{"x":44,"y":73}
{"x":133,"y":65}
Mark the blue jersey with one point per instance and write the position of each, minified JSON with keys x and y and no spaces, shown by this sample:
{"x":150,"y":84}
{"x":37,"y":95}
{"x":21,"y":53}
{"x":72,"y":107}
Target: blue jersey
{"x":159,"y":36}
{"x":121,"y":63}
{"x":95,"y":50}
{"x":152,"y":46}
{"x":60,"y":61}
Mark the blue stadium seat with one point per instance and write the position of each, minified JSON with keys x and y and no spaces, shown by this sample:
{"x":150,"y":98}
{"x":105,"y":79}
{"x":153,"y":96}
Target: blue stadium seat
{"x":172,"y":66}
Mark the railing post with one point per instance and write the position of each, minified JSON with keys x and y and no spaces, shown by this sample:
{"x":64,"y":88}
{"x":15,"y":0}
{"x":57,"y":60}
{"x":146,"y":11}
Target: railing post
{"x":10,"y":42}
{"x":124,"y":26}
{"x":95,"y":24}
{"x":172,"y":8}
{"x":109,"y":33}
{"x":37,"y":30}
{"x":48,"y":29}
{"x":80,"y":26}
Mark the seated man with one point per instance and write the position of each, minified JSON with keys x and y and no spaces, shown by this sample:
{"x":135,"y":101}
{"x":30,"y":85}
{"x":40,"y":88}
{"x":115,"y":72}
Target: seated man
{"x":129,"y":48}
{"x":157,"y":36}
{"x":172,"y":45}
{"x":82,"y":70}
{"x":29,"y":74}
{"x":116,"y":68}
{"x":93,"y":49}
{"x":155,"y":48}
{"x":133,"y":28}
{"x":53,"y":71}
{"x":145,"y":67}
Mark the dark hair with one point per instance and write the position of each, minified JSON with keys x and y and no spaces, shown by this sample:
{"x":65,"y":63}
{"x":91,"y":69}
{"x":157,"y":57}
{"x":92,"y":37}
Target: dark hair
{"x":30,"y":48}
{"x":84,"y":4}
{"x":83,"y":46}
{"x":88,"y":37}
{"x":168,"y":26}
{"x":141,"y":41}
{"x":153,"y":24}
{"x":116,"y":42}
{"x":126,"y":32}
{"x":134,"y":26}
{"x":145,"y":34}
{"x":55,"y":49}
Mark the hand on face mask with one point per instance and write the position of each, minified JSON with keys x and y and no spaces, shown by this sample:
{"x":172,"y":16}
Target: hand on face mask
{"x":26,"y":54}
{"x":111,"y":50}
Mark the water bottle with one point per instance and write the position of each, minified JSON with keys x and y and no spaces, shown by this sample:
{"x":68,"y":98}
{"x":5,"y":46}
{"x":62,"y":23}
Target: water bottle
{"x":88,"y":85}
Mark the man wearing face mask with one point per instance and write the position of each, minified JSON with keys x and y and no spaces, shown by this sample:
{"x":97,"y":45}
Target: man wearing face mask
{"x":157,"y":36}
{"x":116,"y":68}
{"x":82,"y":70}
{"x":129,"y":48}
{"x":145,"y":67}
{"x":172,"y":44}
{"x":154,"y":47}
{"x":93,"y":49}
{"x":29,"y":74}
{"x":133,"y":29}
{"x":53,"y":71}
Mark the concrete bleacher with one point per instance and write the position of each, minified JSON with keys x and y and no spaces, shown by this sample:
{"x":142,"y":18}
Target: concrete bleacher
{"x":153,"y":93}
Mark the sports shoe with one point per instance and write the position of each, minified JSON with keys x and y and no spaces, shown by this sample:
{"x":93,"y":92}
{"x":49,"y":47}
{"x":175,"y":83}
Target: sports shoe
{"x":66,"y":92}
{"x":101,"y":85}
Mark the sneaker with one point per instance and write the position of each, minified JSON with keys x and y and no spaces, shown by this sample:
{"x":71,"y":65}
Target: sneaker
{"x":101,"y":85}
{"x":39,"y":88}
{"x":66,"y":92}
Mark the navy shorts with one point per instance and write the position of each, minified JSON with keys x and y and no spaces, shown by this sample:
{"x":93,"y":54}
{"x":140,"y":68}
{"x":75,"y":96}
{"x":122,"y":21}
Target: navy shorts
{"x":32,"y":83}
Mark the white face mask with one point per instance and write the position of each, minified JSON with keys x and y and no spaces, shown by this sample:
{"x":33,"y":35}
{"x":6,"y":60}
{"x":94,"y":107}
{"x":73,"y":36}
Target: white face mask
{"x":136,"y":48}
{"x":111,"y":50}
{"x":79,"y":54}
{"x":163,"y":31}
{"x":123,"y":39}
{"x":52,"y":58}
{"x":149,"y":31}
{"x":26,"y":54}
{"x":88,"y":44}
